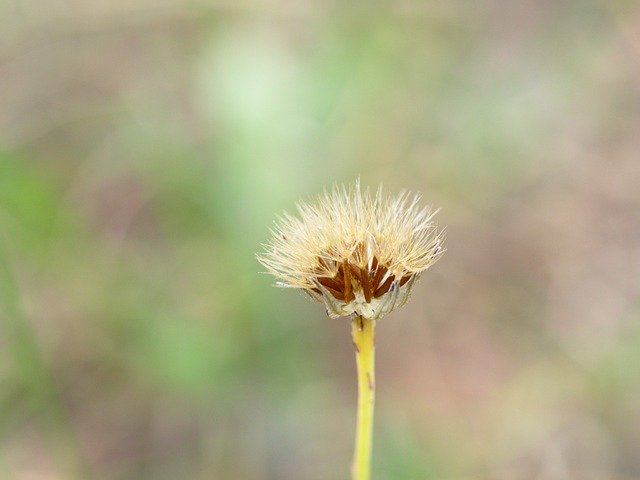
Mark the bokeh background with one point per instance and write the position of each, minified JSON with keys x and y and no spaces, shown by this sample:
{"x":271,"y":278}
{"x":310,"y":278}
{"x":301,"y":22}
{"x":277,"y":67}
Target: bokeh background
{"x":145,"y":149}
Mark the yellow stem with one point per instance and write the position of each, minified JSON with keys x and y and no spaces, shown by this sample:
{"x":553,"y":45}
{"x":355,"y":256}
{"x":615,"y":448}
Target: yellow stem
{"x":363,"y":334}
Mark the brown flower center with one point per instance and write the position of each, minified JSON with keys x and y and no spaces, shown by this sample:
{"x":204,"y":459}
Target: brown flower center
{"x":350,"y":277}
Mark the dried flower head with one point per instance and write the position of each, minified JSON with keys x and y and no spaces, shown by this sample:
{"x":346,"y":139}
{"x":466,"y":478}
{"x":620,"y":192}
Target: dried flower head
{"x":356,"y":252}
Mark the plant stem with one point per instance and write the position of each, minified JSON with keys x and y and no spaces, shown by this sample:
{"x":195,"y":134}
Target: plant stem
{"x":363,"y":334}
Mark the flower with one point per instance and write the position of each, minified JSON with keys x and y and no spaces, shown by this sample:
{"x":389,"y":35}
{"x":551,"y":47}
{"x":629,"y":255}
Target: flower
{"x":355,"y":252}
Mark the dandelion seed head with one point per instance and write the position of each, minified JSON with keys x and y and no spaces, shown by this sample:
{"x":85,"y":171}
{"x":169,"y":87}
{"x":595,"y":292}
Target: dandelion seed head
{"x":356,"y":252}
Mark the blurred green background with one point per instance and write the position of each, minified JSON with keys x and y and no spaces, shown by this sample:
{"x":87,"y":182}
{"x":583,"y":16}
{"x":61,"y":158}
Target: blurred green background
{"x":145,"y":149}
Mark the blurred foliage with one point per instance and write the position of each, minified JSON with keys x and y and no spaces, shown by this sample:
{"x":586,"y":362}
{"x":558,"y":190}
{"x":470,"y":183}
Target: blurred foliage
{"x":146,"y":147}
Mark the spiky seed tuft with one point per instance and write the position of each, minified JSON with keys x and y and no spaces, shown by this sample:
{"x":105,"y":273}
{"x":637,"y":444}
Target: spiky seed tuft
{"x":356,"y":252}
